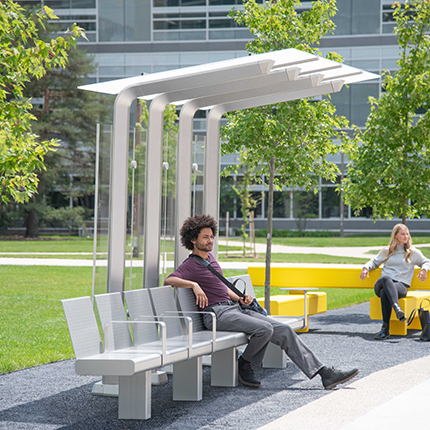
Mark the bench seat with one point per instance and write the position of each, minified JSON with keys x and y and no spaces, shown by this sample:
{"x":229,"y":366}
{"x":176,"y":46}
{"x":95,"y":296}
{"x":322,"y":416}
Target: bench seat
{"x":124,"y":362}
{"x":293,"y":304}
{"x":408,"y":304}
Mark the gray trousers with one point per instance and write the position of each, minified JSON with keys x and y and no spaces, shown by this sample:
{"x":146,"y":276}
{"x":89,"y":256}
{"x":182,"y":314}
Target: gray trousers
{"x":261,"y":331}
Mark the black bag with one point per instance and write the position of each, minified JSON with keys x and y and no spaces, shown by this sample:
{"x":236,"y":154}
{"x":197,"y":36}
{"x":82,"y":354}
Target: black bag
{"x":254,"y":306}
{"x":424,"y":316}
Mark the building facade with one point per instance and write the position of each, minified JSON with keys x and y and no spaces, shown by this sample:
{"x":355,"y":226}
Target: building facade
{"x":131,"y":37}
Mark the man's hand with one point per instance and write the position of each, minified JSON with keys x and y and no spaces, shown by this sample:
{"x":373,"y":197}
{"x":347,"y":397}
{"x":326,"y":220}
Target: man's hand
{"x":247,"y":300}
{"x":422,"y":275}
{"x":364,"y":273}
{"x":201,"y":298}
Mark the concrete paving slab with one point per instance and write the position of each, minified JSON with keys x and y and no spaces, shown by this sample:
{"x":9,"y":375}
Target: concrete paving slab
{"x":388,"y":399}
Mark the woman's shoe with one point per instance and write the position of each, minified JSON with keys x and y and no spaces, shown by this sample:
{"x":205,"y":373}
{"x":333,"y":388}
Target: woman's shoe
{"x":384,"y":333}
{"x":399,"y":313}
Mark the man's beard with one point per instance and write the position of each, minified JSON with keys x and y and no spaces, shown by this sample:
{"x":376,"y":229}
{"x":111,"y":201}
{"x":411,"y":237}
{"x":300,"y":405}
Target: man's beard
{"x":205,"y":248}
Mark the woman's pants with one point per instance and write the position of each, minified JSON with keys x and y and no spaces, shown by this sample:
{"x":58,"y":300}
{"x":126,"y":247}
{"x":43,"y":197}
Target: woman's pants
{"x":390,"y":294}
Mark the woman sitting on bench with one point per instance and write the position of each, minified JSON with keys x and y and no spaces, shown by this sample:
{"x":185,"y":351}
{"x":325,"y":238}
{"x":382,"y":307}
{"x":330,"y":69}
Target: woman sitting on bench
{"x":399,"y":259}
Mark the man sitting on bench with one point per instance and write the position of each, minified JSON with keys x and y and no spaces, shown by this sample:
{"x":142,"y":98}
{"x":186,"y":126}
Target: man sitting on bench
{"x":197,"y":235}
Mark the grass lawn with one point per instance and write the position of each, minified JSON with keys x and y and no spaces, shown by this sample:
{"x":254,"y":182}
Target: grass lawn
{"x":299,"y":258}
{"x":34,"y":329}
{"x":341,"y":241}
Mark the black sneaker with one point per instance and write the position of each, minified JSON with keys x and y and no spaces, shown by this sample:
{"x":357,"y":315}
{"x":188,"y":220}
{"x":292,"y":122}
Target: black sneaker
{"x":332,"y":377}
{"x":246,"y":374}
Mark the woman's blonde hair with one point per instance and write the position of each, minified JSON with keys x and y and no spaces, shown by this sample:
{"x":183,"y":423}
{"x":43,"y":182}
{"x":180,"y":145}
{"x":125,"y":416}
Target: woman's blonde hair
{"x":392,"y":247}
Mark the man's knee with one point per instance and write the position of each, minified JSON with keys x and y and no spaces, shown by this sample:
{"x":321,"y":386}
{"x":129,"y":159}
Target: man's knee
{"x":283,"y":333}
{"x":265,"y":331}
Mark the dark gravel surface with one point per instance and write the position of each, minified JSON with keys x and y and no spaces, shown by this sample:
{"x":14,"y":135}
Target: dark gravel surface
{"x":54,"y":397}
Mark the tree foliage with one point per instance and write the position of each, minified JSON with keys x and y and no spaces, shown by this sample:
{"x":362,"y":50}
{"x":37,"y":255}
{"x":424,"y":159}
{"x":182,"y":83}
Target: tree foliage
{"x":170,"y":135}
{"x":390,"y":166}
{"x":247,"y":201}
{"x":24,"y":56}
{"x":288,"y":142}
{"x":69,"y":115}
{"x":299,"y":133}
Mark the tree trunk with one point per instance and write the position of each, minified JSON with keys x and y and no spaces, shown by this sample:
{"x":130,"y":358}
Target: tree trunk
{"x":341,"y":205}
{"x":32,"y":228}
{"x":269,"y":235}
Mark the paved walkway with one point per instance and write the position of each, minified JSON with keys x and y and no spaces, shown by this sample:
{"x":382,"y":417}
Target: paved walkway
{"x":12,"y":259}
{"x":359,"y":252}
{"x":392,"y":391}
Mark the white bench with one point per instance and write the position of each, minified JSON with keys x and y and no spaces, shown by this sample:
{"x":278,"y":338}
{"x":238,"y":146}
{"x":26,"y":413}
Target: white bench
{"x":222,"y":344}
{"x":170,"y":335}
{"x":133,"y":349}
{"x":131,"y":365}
{"x":181,"y":350}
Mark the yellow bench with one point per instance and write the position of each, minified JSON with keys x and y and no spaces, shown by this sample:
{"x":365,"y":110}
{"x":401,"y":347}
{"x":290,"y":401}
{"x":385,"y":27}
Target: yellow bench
{"x":293,"y":304}
{"x":340,"y":277}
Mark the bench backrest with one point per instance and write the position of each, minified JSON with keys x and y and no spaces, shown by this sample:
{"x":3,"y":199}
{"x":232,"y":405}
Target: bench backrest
{"x":111,"y":308}
{"x":164,"y":301}
{"x":83,"y":328}
{"x":140,"y":308}
{"x":244,"y":283}
{"x":339,"y":276}
{"x":187,"y":303}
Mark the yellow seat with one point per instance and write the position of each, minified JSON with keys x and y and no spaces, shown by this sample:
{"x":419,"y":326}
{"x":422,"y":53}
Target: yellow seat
{"x":293,"y":304}
{"x":408,"y":304}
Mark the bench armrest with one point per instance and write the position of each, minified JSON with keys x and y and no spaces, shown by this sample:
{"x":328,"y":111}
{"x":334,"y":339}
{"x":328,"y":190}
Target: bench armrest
{"x":188,"y":322}
{"x":212,"y":314}
{"x":111,"y":324}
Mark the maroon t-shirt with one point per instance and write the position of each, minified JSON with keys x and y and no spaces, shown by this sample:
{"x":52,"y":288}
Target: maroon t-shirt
{"x":191,"y":270}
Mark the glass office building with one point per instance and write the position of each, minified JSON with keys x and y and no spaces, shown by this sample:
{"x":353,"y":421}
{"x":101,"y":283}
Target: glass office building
{"x":131,"y":37}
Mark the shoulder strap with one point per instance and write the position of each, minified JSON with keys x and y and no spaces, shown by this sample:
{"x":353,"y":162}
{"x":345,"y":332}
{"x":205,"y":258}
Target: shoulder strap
{"x":411,"y":317}
{"x":208,"y":266}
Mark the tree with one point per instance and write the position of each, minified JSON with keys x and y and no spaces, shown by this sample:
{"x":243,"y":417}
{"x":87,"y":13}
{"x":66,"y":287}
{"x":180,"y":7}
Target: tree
{"x":288,"y":142}
{"x":24,"y":56}
{"x":69,"y":115}
{"x":247,"y":202}
{"x":170,"y":130}
{"x":389,"y":167}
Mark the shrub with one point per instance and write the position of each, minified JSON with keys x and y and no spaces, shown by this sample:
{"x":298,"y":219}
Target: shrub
{"x":297,"y":233}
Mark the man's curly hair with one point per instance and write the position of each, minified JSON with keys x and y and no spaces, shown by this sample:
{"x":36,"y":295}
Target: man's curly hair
{"x":193,"y":225}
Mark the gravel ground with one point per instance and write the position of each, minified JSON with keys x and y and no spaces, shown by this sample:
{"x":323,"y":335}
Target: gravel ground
{"x":54,"y":397}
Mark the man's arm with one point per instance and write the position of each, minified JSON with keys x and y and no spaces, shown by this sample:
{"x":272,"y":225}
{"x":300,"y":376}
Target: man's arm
{"x":201,"y":298}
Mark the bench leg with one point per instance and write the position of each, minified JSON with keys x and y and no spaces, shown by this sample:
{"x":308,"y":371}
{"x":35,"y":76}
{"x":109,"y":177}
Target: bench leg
{"x":275,"y":357}
{"x":108,"y":387}
{"x":224,"y":371}
{"x":134,"y":401}
{"x":188,"y":380}
{"x":304,"y":330}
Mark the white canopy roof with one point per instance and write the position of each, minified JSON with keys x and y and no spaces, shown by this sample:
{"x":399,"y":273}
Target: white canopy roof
{"x":227,"y":85}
